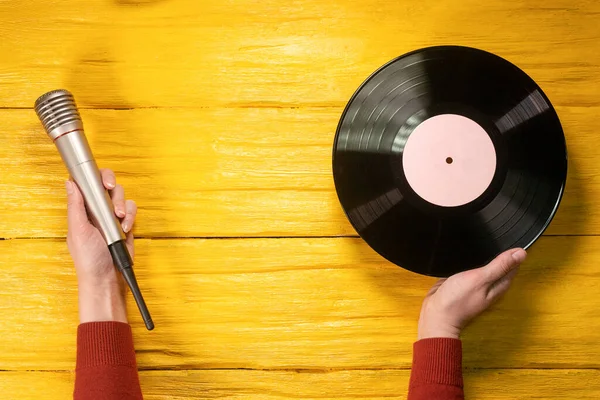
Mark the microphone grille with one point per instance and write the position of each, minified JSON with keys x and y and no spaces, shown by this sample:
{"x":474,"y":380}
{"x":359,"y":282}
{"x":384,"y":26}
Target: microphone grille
{"x":56,"y":108}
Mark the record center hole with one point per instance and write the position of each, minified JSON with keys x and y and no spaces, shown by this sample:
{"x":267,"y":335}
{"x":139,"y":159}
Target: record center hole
{"x":449,"y":160}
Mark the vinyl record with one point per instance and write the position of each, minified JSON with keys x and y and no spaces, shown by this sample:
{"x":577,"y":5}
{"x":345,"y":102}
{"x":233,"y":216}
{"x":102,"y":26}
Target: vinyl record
{"x":446,"y":157}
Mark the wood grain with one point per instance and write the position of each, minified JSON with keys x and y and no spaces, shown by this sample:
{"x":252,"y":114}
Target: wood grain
{"x":277,"y":385}
{"x":187,"y":53}
{"x":218,"y":117}
{"x":298,"y":303}
{"x":228,"y":172}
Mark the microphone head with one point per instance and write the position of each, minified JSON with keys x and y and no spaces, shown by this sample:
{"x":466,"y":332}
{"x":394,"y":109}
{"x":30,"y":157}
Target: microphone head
{"x":58,"y":112}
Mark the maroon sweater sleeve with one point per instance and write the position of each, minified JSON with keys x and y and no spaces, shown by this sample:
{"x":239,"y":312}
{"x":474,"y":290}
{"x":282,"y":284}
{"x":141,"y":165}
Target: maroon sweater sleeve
{"x":436,"y":370}
{"x":106,"y":367}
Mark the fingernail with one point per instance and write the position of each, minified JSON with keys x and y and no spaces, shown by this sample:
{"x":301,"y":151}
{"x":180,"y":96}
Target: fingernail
{"x":119,"y":211}
{"x":110,"y":185}
{"x":69,"y":187}
{"x":125,"y":226}
{"x":519,"y":256}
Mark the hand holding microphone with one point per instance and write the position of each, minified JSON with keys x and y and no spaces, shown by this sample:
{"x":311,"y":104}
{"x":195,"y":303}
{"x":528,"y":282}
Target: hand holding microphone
{"x":101,"y":287}
{"x":58,"y":113}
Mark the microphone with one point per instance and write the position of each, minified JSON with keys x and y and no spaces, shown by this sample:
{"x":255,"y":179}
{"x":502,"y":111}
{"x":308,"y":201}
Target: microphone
{"x":59,"y":115}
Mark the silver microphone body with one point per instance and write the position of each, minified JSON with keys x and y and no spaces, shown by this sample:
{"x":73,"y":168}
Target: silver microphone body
{"x":58,"y":113}
{"x":77,"y":156}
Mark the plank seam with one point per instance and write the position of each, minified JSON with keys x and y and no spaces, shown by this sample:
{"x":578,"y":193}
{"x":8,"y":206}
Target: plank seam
{"x":250,"y":237}
{"x":198,"y":237}
{"x":271,"y":106}
{"x":321,"y":370}
{"x":242,"y":106}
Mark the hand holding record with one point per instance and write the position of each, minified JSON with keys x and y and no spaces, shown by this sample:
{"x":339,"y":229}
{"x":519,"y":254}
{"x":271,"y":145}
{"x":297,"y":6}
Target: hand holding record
{"x":454,"y":302}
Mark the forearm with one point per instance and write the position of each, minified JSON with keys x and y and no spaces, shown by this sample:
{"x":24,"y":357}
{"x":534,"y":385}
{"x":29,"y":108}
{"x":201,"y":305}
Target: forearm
{"x":437,"y":370}
{"x":106,"y":365}
{"x":101,"y":300}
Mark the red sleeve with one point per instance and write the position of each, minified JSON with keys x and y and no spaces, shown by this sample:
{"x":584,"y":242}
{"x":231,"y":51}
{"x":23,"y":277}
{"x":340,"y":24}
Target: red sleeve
{"x":436,"y":370}
{"x":106,"y":367}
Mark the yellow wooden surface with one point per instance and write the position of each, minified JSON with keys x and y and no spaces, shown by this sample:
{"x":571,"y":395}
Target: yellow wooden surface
{"x":310,"y":304}
{"x":347,"y":385}
{"x":194,"y":172}
{"x":189,"y":53}
{"x":218,"y":116}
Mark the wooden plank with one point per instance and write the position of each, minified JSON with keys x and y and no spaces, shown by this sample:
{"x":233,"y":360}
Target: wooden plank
{"x":228,"y":172}
{"x":189,"y":53}
{"x":355,"y":384}
{"x":298,"y":303}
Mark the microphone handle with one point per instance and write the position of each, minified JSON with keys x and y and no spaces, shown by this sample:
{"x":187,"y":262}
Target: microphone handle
{"x":77,"y":156}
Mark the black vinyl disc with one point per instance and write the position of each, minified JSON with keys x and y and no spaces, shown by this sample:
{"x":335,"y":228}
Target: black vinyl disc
{"x":446,"y":157}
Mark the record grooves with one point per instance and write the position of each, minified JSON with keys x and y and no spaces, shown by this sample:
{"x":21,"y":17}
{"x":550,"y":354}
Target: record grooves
{"x":447,"y":156}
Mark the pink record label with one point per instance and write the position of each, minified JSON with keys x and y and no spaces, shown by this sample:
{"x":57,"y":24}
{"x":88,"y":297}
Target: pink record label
{"x":449,"y":160}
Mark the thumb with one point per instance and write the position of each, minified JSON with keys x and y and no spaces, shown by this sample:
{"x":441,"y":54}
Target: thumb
{"x":76,"y":214}
{"x":503,"y":265}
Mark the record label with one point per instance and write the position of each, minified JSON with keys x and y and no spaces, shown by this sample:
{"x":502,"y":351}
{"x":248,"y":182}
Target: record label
{"x":449,"y":160}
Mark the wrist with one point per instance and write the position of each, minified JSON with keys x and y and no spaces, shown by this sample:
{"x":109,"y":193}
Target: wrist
{"x":102,"y":300}
{"x":432,"y":328}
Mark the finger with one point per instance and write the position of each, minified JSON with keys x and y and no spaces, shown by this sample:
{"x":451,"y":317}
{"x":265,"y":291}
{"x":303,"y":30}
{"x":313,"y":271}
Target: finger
{"x":130,"y":213}
{"x":108,"y":178}
{"x":118,"y":198}
{"x":129,"y":242}
{"x":76,"y":213}
{"x":502,"y":265}
{"x":498,"y":288}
